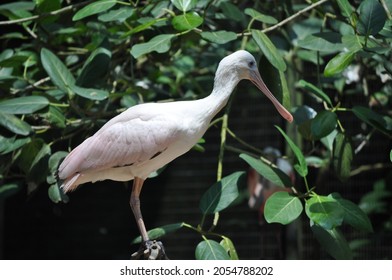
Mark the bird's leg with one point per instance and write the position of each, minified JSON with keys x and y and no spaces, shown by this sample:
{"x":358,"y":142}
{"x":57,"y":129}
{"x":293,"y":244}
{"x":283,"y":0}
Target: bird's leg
{"x":135,"y":205}
{"x":151,"y":250}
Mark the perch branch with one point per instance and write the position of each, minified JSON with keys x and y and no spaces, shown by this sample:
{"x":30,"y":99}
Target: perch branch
{"x":290,"y":18}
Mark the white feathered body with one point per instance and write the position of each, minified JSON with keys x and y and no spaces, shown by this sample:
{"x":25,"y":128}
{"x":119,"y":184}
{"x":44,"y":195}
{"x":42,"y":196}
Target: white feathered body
{"x":137,"y":142}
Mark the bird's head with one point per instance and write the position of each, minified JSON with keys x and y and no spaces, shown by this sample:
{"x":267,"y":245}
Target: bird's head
{"x":243,"y":65}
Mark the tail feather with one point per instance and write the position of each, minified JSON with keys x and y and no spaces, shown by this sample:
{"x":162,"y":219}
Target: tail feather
{"x":70,"y":184}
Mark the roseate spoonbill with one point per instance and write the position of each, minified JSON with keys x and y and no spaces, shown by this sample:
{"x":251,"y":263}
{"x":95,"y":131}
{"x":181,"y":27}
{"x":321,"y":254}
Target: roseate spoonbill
{"x":147,"y":136}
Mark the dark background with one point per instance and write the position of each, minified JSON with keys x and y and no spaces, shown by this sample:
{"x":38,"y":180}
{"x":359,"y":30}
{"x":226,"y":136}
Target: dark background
{"x":97,"y":223}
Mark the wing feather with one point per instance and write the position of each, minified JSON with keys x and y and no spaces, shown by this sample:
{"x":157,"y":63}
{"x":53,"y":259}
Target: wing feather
{"x":125,"y":140}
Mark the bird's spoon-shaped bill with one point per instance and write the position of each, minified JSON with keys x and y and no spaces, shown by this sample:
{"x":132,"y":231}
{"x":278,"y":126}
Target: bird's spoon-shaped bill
{"x":258,"y":82}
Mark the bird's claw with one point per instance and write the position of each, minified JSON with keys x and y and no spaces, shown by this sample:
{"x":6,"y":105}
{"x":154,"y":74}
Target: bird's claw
{"x":150,"y":250}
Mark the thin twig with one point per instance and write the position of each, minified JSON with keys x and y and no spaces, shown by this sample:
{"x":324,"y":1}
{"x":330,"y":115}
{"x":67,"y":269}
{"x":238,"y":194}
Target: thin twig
{"x":52,"y":13}
{"x":290,"y":18}
{"x":30,"y":87}
{"x":243,"y":142}
{"x":387,"y":11}
{"x":370,"y":167}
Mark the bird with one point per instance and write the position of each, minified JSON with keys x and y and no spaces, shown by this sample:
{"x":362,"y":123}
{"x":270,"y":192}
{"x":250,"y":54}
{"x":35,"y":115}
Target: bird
{"x":147,"y":136}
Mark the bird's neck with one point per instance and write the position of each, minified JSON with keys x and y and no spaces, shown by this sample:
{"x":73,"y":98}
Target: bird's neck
{"x":224,"y":85}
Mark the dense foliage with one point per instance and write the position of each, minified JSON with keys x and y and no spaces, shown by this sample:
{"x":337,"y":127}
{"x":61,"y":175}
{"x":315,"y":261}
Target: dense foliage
{"x":66,"y":68}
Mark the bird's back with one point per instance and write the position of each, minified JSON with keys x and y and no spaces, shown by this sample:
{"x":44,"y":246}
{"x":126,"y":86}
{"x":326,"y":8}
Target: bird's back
{"x":135,"y":143}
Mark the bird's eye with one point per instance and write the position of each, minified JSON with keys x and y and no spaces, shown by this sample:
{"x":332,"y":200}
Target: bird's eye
{"x":251,"y":64}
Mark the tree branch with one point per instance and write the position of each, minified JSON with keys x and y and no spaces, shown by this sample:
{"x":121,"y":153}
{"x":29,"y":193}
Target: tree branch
{"x":290,"y":18}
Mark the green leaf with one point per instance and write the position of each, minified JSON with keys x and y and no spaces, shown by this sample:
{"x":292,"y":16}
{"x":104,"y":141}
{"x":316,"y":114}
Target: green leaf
{"x":95,"y":68}
{"x":316,"y":91}
{"x":160,"y":43}
{"x":228,"y":245}
{"x":323,"y":124}
{"x":57,"y":71}
{"x":283,"y":208}
{"x":210,"y":250}
{"x":303,"y":114}
{"x":184,"y":5}
{"x":220,"y":195}
{"x":47,"y":6}
{"x":328,"y":141}
{"x":29,"y":151}
{"x":380,"y":122}
{"x":325,"y":211}
{"x":187,"y":21}
{"x":271,"y":173}
{"x":8,"y":145}
{"x":260,"y":17}
{"x":23,"y":105}
{"x":53,"y":164}
{"x":55,"y":117}
{"x":14,"y":124}
{"x":140,"y":28}
{"x":38,"y":169}
{"x":300,"y":164}
{"x":276,"y":81}
{"x":333,"y":242}
{"x":219,"y":37}
{"x":345,"y":8}
{"x":54,"y":193}
{"x":372,"y":18}
{"x":328,"y":42}
{"x":159,"y":232}
{"x":13,"y":61}
{"x":342,"y":156}
{"x":353,"y":215}
{"x":19,"y":5}
{"x":310,"y":56}
{"x":338,"y":63}
{"x":377,"y":200}
{"x":232,"y":11}
{"x":390,"y":155}
{"x":119,"y":15}
{"x":94,"y":8}
{"x":9,"y":189}
{"x":306,"y":27}
{"x":286,"y":100}
{"x":269,"y":50}
{"x":316,"y":162}
{"x":353,"y":42}
{"x":90,"y":93}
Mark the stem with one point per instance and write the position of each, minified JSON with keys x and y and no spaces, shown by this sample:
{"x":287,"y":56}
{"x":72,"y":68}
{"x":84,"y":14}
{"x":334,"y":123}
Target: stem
{"x":214,"y":122}
{"x":222,"y":146}
{"x":290,"y":18}
{"x":124,"y":3}
{"x":340,"y":126}
{"x":387,"y":11}
{"x":59,"y":105}
{"x":306,"y":184}
{"x":370,"y":167}
{"x":202,"y":232}
{"x":232,"y":134}
{"x":219,"y":172}
{"x":364,"y":142}
{"x":342,"y":109}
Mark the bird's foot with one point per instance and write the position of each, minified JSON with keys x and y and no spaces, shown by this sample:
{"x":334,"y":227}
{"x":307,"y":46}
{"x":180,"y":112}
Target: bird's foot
{"x":150,"y":250}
